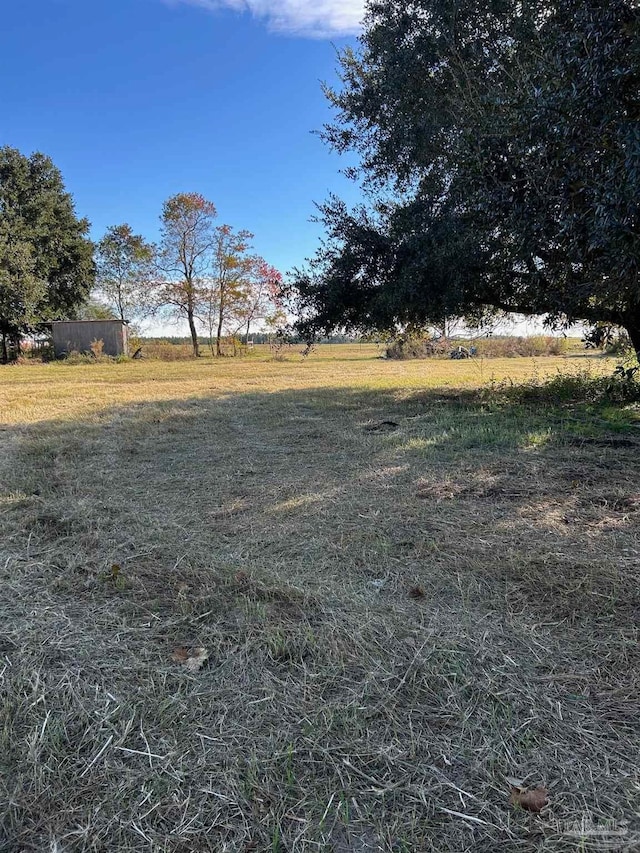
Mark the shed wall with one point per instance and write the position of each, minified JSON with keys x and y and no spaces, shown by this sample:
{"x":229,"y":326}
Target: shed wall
{"x":77,"y":336}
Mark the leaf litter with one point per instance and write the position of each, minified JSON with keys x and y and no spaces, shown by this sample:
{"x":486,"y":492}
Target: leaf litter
{"x":530,"y":799}
{"x":191,"y":657}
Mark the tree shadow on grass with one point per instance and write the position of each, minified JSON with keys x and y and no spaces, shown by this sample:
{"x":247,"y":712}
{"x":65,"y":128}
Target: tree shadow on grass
{"x":328,"y":470}
{"x":402,"y":594}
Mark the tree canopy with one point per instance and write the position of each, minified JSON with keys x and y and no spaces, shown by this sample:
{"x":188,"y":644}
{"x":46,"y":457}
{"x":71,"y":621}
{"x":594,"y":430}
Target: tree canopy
{"x":499,"y":150}
{"x":242,"y":287}
{"x":46,"y":265}
{"x":209,"y":274}
{"x":124,"y":262}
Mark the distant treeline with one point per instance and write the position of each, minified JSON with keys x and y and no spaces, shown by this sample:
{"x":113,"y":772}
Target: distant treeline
{"x":255,"y":338}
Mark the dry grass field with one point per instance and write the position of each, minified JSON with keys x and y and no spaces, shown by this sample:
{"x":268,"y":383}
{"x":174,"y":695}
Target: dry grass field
{"x":414,"y":585}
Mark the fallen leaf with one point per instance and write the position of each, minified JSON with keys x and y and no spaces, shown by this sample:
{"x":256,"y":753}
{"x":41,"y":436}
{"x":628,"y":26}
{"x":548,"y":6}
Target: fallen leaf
{"x":197,"y":659}
{"x":531,"y":799}
{"x":417,"y":592}
{"x":180,"y":654}
{"x":193,"y":658}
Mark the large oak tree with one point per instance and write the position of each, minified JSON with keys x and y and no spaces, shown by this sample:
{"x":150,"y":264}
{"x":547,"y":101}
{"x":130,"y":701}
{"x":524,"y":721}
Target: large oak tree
{"x":499,"y":149}
{"x":46,"y":265}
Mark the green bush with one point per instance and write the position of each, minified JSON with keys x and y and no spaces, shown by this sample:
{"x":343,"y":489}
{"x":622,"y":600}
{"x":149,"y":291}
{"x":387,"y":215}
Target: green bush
{"x":498,"y":347}
{"x":620,"y":345}
{"x":404,"y":349}
{"x":621,"y":387}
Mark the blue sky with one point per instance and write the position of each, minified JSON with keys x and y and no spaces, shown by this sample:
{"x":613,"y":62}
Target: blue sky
{"x":136,"y":100}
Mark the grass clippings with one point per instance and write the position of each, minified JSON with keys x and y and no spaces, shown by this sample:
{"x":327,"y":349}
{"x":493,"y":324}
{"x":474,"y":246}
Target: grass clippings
{"x":334,"y":714}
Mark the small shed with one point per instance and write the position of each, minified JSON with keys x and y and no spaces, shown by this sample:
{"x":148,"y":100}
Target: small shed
{"x":78,"y":335}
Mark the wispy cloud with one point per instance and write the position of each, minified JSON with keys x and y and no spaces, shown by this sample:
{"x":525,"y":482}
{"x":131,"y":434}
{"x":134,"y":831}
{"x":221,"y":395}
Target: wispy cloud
{"x":311,"y":18}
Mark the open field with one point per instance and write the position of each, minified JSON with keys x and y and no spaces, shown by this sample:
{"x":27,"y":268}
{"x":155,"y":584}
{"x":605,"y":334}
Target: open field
{"x":411,"y":589}
{"x":57,"y":390}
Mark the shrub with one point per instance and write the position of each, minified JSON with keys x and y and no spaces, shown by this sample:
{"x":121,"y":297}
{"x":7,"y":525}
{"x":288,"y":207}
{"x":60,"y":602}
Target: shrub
{"x":279,"y":345}
{"x":408,"y":348}
{"x":167,"y":351}
{"x":620,"y":344}
{"x":621,"y":387}
{"x":232,"y":347}
{"x":498,"y":347}
{"x":75,"y":357}
{"x":513,"y":347}
{"x":97,"y":348}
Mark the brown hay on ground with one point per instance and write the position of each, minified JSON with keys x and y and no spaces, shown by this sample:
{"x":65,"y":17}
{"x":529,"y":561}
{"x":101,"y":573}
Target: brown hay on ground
{"x":338,"y":710}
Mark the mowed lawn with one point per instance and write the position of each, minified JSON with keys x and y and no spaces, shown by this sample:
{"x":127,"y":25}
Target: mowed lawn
{"x":59,"y":391}
{"x":412,"y":585}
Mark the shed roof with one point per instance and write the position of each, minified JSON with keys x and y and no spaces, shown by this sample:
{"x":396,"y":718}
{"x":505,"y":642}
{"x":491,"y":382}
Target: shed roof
{"x":108,"y":320}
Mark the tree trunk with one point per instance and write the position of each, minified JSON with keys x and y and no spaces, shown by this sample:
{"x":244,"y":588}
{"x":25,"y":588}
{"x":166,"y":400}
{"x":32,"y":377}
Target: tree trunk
{"x":247,"y":338}
{"x":120,"y":303}
{"x":220,"y":322}
{"x":5,"y":351}
{"x":632,"y":325}
{"x":194,"y":333}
